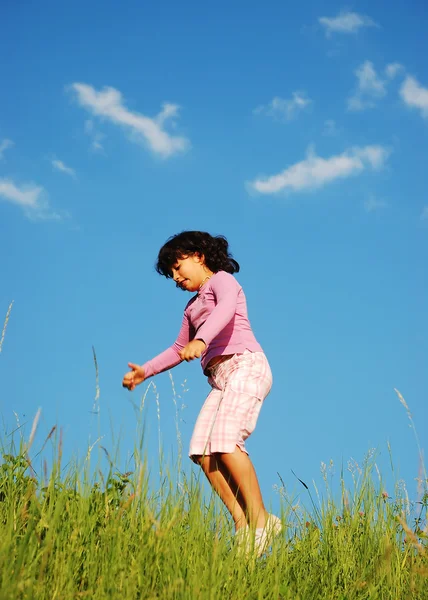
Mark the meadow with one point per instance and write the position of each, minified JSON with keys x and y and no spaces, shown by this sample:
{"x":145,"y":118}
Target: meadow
{"x":79,"y":531}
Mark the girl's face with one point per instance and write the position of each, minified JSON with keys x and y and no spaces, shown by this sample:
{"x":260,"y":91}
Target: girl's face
{"x":189,"y":272}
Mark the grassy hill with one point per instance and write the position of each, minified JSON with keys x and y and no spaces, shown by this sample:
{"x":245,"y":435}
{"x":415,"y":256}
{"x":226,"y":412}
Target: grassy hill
{"x":82,"y":536}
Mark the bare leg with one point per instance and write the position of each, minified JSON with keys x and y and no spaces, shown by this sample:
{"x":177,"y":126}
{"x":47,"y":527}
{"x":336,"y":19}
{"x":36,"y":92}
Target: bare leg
{"x":228,"y":494}
{"x":233,"y":477}
{"x":239,"y":470}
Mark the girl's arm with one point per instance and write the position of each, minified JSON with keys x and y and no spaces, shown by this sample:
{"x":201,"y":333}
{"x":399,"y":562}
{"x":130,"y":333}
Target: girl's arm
{"x":170,"y":358}
{"x":225,"y":289}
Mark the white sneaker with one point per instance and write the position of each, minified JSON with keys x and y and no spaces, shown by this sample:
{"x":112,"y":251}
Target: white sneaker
{"x":257,"y":542}
{"x":265,"y":535}
{"x":243,"y":540}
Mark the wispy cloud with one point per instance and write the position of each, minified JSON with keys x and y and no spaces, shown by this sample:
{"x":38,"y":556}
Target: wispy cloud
{"x":345,"y":22}
{"x":373,"y":204}
{"x":30,"y":197}
{"x":415,"y":95}
{"x":96,"y":136}
{"x":4,"y":145}
{"x":60,"y":166}
{"x":424,"y":214}
{"x":330,"y":128}
{"x":393,"y":69}
{"x":315,"y":172}
{"x":27,"y":196}
{"x":283,"y":109}
{"x":370,"y":87}
{"x":108,"y":104}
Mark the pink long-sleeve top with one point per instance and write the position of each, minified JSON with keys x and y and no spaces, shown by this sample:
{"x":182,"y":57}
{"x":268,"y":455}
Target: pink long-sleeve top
{"x":218,"y":316}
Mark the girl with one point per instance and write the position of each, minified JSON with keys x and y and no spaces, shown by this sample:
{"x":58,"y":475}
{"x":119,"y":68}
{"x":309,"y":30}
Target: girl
{"x":215,"y":328}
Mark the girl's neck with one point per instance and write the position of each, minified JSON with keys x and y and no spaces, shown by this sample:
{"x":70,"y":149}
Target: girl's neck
{"x":209,"y":274}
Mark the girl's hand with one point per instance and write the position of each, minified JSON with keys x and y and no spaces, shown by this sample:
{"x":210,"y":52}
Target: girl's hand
{"x":134,"y":377}
{"x":192,"y":350}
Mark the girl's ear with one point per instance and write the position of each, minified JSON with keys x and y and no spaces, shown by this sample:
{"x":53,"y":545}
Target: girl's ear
{"x":200,"y":258}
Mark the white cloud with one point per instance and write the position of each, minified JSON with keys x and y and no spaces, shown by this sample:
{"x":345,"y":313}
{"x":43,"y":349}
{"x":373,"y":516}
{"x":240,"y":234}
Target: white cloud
{"x":30,"y":197}
{"x":315,"y":172}
{"x":95,"y":136}
{"x":60,"y":166}
{"x":108,"y":104}
{"x":168,"y":111}
{"x":285,"y":110}
{"x":414,"y":95}
{"x":424,"y":215}
{"x":4,"y":145}
{"x":345,"y":22}
{"x":27,"y":196}
{"x":373,"y":204}
{"x":370,"y":87}
{"x":393,"y":69}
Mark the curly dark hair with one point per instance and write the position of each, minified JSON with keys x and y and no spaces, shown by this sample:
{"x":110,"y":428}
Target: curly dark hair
{"x":187,"y":243}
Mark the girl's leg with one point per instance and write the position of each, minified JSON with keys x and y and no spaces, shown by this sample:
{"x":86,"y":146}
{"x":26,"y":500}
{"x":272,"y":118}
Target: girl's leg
{"x":233,"y":477}
{"x":230,"y":413}
{"x":238,"y":469}
{"x":224,"y":488}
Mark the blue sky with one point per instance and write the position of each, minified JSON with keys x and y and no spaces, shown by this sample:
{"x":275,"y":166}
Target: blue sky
{"x":300,"y":133}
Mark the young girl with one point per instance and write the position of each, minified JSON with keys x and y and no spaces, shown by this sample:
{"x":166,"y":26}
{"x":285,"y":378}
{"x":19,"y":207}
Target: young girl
{"x":216,"y":328}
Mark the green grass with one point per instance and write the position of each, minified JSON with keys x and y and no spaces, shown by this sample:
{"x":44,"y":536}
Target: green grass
{"x":81,"y":535}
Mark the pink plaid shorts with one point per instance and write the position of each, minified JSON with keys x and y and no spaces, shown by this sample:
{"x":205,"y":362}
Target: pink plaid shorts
{"x":229,"y":414}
